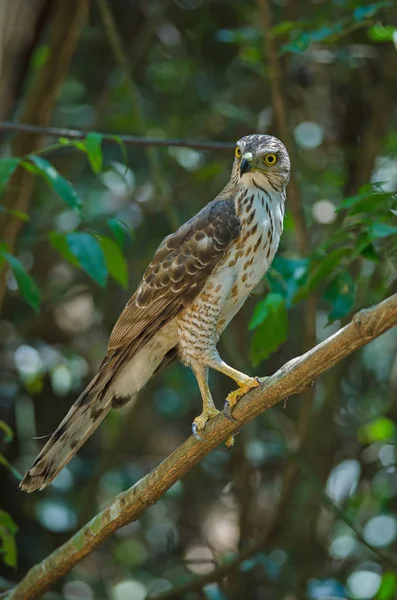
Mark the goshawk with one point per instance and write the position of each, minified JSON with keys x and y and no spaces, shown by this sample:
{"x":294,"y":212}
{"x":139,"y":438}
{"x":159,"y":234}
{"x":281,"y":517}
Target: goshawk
{"x":198,"y":279}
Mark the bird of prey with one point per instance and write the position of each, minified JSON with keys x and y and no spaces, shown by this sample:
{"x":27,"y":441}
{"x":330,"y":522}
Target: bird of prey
{"x":199,"y":278}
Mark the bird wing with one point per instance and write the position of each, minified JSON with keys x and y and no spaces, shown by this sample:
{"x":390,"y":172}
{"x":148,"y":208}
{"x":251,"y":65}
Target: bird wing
{"x":177,"y":273}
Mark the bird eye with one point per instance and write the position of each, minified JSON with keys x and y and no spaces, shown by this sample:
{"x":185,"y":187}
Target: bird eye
{"x":270,"y":159}
{"x":238,"y":152}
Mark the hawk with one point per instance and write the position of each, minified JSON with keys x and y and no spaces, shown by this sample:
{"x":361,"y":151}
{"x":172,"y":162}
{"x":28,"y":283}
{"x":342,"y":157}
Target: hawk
{"x":199,"y":278}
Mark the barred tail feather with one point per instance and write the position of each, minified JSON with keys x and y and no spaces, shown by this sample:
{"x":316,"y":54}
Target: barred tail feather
{"x":81,"y":421}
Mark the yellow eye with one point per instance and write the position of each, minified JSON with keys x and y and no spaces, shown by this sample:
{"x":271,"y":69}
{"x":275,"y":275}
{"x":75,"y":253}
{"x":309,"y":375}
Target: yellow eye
{"x":270,"y":159}
{"x":238,"y":152}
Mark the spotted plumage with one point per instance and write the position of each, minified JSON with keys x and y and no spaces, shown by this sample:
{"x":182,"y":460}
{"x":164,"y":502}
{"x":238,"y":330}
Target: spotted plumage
{"x":198,"y":279}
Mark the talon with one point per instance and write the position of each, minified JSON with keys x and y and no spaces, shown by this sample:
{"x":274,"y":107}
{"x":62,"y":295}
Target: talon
{"x":229,"y":443}
{"x":235,"y":396}
{"x":195,"y":433}
{"x":227,"y":411}
{"x":200,"y":422}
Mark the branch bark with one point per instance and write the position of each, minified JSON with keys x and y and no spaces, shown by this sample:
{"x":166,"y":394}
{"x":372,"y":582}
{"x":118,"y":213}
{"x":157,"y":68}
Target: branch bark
{"x":292,"y":378}
{"x":67,"y":21}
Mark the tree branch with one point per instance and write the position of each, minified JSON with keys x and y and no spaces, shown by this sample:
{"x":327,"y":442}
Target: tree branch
{"x":133,"y":140}
{"x":128,"y":506}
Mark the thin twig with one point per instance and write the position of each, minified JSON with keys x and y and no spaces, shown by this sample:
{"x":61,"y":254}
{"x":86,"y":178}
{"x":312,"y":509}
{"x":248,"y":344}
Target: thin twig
{"x":325,"y":499}
{"x":132,"y":140}
{"x":128,"y":506}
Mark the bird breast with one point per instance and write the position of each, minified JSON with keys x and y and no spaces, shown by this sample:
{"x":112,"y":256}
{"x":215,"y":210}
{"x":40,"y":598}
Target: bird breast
{"x":261,"y":214}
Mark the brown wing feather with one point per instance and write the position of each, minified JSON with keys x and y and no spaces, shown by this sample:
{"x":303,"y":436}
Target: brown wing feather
{"x":177,"y":273}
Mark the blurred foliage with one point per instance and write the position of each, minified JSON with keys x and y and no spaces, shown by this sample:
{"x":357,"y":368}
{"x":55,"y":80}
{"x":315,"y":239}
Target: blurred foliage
{"x":99,"y":209}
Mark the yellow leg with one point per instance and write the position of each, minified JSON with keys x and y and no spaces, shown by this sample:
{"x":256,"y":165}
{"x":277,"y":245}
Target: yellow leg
{"x":209,"y":409}
{"x":245,"y":383}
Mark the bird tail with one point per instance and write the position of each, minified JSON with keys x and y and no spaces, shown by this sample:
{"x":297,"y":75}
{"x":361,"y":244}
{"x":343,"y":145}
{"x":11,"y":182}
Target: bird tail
{"x":81,"y":421}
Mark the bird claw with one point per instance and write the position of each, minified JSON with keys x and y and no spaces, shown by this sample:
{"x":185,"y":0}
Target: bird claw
{"x":233,"y":398}
{"x":227,"y":411}
{"x":201,"y":421}
{"x":195,"y":433}
{"x":229,"y":443}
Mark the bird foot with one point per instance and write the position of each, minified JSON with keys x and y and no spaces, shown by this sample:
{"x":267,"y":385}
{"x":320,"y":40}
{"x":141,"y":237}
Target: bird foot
{"x":229,"y":443}
{"x":200,"y":422}
{"x":235,"y":396}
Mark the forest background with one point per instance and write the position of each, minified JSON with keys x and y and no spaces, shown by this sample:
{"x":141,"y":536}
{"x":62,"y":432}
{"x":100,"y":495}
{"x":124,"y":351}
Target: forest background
{"x":305,"y":505}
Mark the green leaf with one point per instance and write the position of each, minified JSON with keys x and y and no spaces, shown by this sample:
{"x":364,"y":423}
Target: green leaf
{"x":381,"y":230}
{"x":388,"y":587}
{"x":120,"y":230}
{"x":298,"y":46}
{"x":319,"y":270}
{"x":15,"y":213}
{"x":381,"y":33}
{"x":40,"y":55}
{"x":93,"y":144}
{"x":367,"y":200}
{"x":283,"y":28}
{"x":272,"y":330}
{"x":115,"y":261}
{"x":340,"y":293}
{"x":8,"y":522}
{"x":8,"y":433}
{"x":7,"y":465}
{"x":261,"y":312}
{"x":370,"y":253}
{"x":8,"y":548}
{"x":363,"y":246}
{"x":78,"y":144}
{"x":61,"y":186}
{"x":263,"y":308}
{"x":287,"y":275}
{"x":58,"y":241}
{"x":26,"y":284}
{"x":381,"y":430}
{"x":86,"y":248}
{"x":369,"y":10}
{"x":7,"y":168}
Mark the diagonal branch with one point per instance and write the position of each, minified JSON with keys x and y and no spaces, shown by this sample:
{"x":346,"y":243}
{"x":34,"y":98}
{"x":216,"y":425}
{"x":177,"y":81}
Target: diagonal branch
{"x":128,"y":506}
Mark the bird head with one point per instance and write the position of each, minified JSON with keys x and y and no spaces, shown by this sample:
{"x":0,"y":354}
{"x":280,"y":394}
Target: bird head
{"x":261,"y":160}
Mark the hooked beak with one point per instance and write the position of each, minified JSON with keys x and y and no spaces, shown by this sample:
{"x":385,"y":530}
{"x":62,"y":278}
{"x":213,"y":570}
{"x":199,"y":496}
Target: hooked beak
{"x":245,"y":165}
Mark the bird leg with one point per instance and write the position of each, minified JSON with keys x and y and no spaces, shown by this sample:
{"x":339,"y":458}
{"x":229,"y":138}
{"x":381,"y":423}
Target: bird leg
{"x":209,"y":409}
{"x":245,"y":383}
